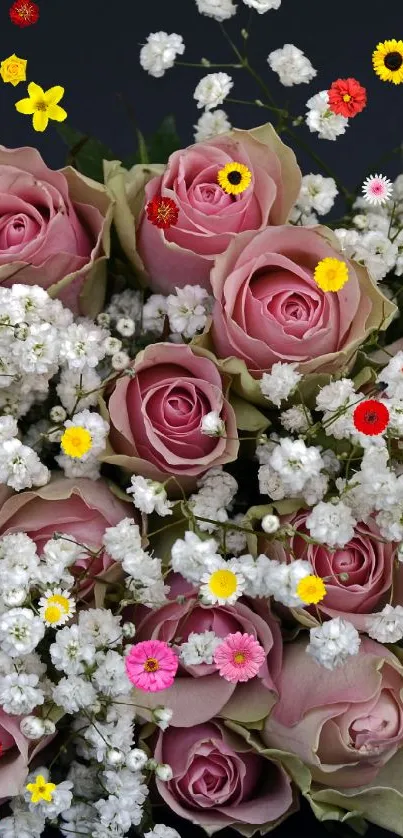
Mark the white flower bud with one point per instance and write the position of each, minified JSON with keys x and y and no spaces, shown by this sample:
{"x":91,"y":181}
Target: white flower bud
{"x":120,"y":360}
{"x":270,"y":523}
{"x":112,"y":345}
{"x":128,"y":630}
{"x":136,"y":759}
{"x":126,"y":327}
{"x":212,"y":425}
{"x":164,"y":772}
{"x":50,"y":727}
{"x":103,"y":319}
{"x":14,"y":597}
{"x":58,"y":413}
{"x":32,"y":727}
{"x":114,"y":756}
{"x":162,"y":716}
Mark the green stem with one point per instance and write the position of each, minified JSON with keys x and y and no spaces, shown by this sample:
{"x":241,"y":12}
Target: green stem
{"x":207,"y":66}
{"x":305,"y":147}
{"x":255,"y":104}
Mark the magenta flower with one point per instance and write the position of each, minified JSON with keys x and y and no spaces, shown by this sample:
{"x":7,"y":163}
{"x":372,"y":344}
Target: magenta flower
{"x":151,"y":665}
{"x":239,"y":657}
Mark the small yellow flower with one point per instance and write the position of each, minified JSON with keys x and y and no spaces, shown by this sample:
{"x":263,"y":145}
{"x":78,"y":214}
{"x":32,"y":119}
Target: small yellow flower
{"x":13,"y":69}
{"x":311,"y":589}
{"x":331,"y":274}
{"x":41,"y":790}
{"x":387,"y":60}
{"x":76,"y":441}
{"x":234,"y":178}
{"x":42,"y":105}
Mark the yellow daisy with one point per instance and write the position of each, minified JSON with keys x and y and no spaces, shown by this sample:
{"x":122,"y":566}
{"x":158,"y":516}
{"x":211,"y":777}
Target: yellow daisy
{"x":331,"y":274}
{"x":76,"y":441}
{"x":311,"y":589}
{"x":234,"y":178}
{"x":387,"y":60}
{"x":42,"y":105}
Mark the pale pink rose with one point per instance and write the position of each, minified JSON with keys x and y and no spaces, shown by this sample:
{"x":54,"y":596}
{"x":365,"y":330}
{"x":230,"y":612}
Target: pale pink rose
{"x":79,"y":508}
{"x":199,"y":692}
{"x":210,"y":218}
{"x":156,"y":416}
{"x":54,"y":225}
{"x":344,"y":724}
{"x":366,"y":559}
{"x":218,"y":781}
{"x":15,"y":754}
{"x":269,"y":308}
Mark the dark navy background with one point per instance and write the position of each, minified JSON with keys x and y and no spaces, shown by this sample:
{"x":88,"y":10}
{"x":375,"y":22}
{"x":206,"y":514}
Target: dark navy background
{"x":91,"y":47}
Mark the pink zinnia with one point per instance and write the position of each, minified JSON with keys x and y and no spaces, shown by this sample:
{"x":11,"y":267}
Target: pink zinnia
{"x":151,"y":665}
{"x":239,"y":657}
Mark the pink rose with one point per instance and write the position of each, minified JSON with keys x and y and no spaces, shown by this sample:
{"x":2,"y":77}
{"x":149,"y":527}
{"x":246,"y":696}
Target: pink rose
{"x":366,"y":559}
{"x":210,"y":218}
{"x":155,"y":416}
{"x":54,"y":226}
{"x":269,"y":308}
{"x":199,"y":692}
{"x":80,"y":508}
{"x":218,"y":781}
{"x":344,"y":724}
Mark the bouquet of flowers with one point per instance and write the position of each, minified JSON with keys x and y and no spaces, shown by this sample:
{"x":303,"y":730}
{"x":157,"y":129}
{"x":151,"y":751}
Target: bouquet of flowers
{"x":201,"y":499}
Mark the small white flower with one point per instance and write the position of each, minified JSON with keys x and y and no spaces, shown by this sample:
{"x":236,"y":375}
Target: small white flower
{"x":211,"y":124}
{"x":110,"y":675}
{"x":99,"y":627}
{"x":154,"y":313}
{"x":8,"y":428}
{"x":149,"y":496}
{"x":262,"y":6}
{"x":218,"y":9}
{"x":123,"y":539}
{"x":22,"y":823}
{"x":278,"y":384}
{"x":332,"y":643}
{"x":387,"y":625}
{"x":162,"y":831}
{"x":126,"y":327}
{"x":20,"y":631}
{"x":212,"y":424}
{"x":188,"y":309}
{"x":377,"y":189}
{"x":73,"y":694}
{"x":322,"y":120}
{"x":199,"y":648}
{"x":136,"y":759}
{"x":317,"y":193}
{"x":191,"y":556}
{"x":296,"y":419}
{"x":160,"y":51}
{"x":120,"y":360}
{"x":291,"y":65}
{"x":71,"y":651}
{"x":212,"y":90}
{"x":331,"y":524}
{"x":335,"y":395}
{"x":19,"y":693}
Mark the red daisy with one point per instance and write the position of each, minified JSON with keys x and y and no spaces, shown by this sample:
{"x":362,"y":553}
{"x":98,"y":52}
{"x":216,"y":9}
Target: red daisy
{"x":371,"y":417}
{"x":162,"y":212}
{"x":347,"y":97}
{"x":24,"y":13}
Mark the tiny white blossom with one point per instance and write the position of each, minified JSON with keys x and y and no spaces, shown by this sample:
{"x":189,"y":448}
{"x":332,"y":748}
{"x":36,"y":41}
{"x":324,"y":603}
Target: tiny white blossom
{"x":278,"y":384}
{"x":73,"y":694}
{"x":20,"y":466}
{"x":386,"y":626}
{"x":122,"y":539}
{"x":188,"y":309}
{"x":20,"y":631}
{"x":162,"y":831}
{"x":296,"y":419}
{"x":218,"y":9}
{"x":154,"y":313}
{"x":291,"y":65}
{"x":32,"y":727}
{"x":212,"y":424}
{"x":335,"y":395}
{"x":322,"y":120}
{"x":164,"y":772}
{"x":160,"y":51}
{"x":211,"y":124}
{"x":262,"y":6}
{"x":22,"y":823}
{"x":82,"y":345}
{"x":199,"y":648}
{"x":331,"y":524}
{"x":70,"y":651}
{"x":317,"y":193}
{"x":149,"y":496}
{"x":162,"y":716}
{"x":78,"y":390}
{"x":212,"y":90}
{"x":19,"y":693}
{"x":332,"y":643}
{"x":270,"y":523}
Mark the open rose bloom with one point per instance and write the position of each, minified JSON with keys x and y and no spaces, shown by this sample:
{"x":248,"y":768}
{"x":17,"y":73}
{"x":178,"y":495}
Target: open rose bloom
{"x":209,"y":219}
{"x":54,"y":230}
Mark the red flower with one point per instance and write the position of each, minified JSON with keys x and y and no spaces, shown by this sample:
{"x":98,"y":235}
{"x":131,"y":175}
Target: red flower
{"x":347,"y":97}
{"x":24,"y":13}
{"x":371,"y":417}
{"x":162,"y":212}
